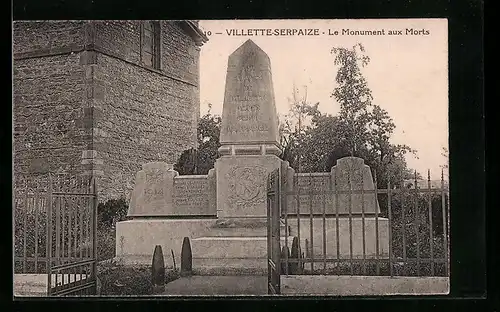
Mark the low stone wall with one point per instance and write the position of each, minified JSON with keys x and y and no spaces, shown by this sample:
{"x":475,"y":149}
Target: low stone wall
{"x":160,"y":191}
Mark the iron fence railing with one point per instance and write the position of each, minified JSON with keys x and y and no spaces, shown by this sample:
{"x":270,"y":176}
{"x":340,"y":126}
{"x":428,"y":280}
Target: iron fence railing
{"x":406,"y":236}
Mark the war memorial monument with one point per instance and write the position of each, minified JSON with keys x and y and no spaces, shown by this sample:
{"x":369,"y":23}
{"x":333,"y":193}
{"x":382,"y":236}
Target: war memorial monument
{"x":224,"y":213}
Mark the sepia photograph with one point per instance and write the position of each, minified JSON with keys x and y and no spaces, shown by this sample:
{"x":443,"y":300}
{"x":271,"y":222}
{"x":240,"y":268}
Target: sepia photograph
{"x":175,"y":158}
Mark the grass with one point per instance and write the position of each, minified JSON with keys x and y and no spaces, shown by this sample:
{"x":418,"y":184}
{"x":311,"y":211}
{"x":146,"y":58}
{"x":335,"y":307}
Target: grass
{"x":129,"y":280}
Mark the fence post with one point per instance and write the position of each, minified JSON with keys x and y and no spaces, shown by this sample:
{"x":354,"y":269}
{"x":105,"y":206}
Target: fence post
{"x":282,"y":194}
{"x":49,"y":237}
{"x":297,"y":210}
{"x":95,"y":204}
{"x":173,"y":259}
{"x":403,"y":225}
{"x":25,"y":221}
{"x":445,"y":232}
{"x":307,"y":256}
{"x":377,"y":235}
{"x":389,"y":214}
{"x":416,"y":215}
{"x":311,"y":230}
{"x":337,"y":234}
{"x":37,"y":210}
{"x":431,"y":234}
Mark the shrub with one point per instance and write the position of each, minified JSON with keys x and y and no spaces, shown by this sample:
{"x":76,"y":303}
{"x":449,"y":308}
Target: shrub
{"x":106,"y":243}
{"x":108,"y":213}
{"x":411,"y":226}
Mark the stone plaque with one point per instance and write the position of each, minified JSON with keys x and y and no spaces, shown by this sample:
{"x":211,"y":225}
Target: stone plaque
{"x":313,"y":183}
{"x":191,"y":196}
{"x":152,"y":194}
{"x":352,"y":173}
{"x":154,"y":190}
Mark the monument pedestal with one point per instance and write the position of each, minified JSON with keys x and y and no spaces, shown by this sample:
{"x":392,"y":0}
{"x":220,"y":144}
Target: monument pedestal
{"x":233,"y":246}
{"x":226,"y":255}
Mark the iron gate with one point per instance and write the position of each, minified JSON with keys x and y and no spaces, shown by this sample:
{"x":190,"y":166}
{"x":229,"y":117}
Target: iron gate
{"x":55,"y":232}
{"x":273,"y":233}
{"x":73,"y":212}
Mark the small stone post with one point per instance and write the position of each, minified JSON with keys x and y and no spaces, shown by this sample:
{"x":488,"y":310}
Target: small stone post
{"x":285,"y":252}
{"x":158,"y":271}
{"x":186,"y":258}
{"x":294,"y":255}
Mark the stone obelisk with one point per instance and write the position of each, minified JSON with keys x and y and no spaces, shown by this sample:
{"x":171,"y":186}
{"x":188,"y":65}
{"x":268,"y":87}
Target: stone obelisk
{"x":249,"y":135}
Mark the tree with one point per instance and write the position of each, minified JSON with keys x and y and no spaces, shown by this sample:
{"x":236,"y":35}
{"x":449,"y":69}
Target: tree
{"x":201,"y":160}
{"x":292,"y":126}
{"x":365,"y":128}
{"x":353,"y":95}
{"x":360,"y":129}
{"x":445,"y":166}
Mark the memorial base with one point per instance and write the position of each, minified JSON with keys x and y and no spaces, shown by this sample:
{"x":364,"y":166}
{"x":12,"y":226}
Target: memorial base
{"x":136,"y":239}
{"x":347,"y":228}
{"x":239,"y":246}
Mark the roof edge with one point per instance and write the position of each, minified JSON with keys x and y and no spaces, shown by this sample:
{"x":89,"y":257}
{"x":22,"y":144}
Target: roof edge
{"x":194,"y":31}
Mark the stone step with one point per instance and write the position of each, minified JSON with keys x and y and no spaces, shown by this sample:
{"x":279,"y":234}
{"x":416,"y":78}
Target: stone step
{"x":230,"y":266}
{"x":240,"y":232}
{"x":231,"y":247}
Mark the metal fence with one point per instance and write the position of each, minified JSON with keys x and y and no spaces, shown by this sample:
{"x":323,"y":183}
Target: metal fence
{"x":408,"y":236}
{"x":55,"y":231}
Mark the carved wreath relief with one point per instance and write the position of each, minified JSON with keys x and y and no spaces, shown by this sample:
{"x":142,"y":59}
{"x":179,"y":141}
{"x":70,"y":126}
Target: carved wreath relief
{"x":247,"y":185}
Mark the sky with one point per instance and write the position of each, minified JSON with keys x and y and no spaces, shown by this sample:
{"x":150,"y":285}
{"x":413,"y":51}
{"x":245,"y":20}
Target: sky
{"x":407,"y":73}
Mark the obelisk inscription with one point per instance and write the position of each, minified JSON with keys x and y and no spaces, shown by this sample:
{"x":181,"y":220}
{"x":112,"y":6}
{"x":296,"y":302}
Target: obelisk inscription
{"x":249,"y":111}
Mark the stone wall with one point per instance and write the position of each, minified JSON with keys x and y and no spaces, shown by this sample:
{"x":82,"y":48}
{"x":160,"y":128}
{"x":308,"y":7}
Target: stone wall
{"x":49,"y":92}
{"x":83,"y":102}
{"x":37,"y":38}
